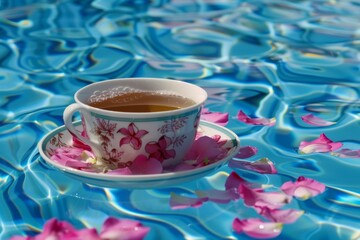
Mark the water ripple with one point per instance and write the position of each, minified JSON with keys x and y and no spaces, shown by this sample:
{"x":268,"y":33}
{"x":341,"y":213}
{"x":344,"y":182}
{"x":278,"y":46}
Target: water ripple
{"x":281,"y":59}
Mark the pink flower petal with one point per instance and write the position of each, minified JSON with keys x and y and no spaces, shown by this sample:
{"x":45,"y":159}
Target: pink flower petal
{"x":79,"y":144}
{"x":71,"y":152}
{"x":255,"y":121}
{"x":321,"y":144}
{"x":246,"y":152}
{"x":272,"y":200}
{"x":335,"y":145}
{"x":347,"y":153}
{"x":179,"y":202}
{"x":303,"y":188}
{"x":263,"y":166}
{"x":72,"y":157}
{"x":123,"y":229}
{"x":215,"y":117}
{"x":205,"y":149}
{"x":278,"y":215}
{"x":112,"y":229}
{"x":219,"y":196}
{"x":217,"y":138}
{"x":78,"y":164}
{"x":57,"y":230}
{"x":256,"y":228}
{"x":144,"y":165}
{"x":315,"y":147}
{"x":234,"y":181}
{"x":323,"y":139}
{"x":316,"y":121}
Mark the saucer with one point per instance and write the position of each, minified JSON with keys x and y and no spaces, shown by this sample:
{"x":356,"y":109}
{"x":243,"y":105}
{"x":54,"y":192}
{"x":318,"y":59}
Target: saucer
{"x":64,"y":138}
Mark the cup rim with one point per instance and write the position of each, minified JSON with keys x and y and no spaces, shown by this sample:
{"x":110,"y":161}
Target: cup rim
{"x":141,"y":114}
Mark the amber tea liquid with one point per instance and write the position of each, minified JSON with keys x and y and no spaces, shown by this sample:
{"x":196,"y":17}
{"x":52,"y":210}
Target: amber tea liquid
{"x":143,"y":102}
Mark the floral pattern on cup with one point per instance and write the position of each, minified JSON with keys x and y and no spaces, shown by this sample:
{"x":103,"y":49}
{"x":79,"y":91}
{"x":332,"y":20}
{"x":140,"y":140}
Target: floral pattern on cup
{"x":159,"y":150}
{"x":132,"y":136}
{"x":118,"y":137}
{"x":205,"y":150}
{"x":162,"y":149}
{"x":56,"y":142}
{"x":105,"y":130}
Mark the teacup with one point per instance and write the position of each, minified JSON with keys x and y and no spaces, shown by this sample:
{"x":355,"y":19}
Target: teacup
{"x":121,"y":124}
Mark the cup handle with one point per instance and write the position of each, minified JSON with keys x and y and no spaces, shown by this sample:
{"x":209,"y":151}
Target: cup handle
{"x":67,"y":116}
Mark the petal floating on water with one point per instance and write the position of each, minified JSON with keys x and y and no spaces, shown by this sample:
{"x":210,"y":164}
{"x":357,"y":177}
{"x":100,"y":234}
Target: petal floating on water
{"x":255,"y":121}
{"x":256,"y":228}
{"x":303,"y":188}
{"x":316,"y":121}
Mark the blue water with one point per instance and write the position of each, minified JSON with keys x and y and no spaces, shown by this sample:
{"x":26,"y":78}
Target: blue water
{"x":280,"y":59}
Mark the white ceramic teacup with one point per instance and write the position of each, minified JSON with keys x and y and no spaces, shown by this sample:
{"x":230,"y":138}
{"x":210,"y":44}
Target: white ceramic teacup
{"x":117,"y":138}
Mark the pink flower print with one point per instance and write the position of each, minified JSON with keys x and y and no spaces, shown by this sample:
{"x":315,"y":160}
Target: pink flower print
{"x":158,"y":150}
{"x":105,"y":127}
{"x":57,"y":140}
{"x":112,"y":157}
{"x":105,"y":130}
{"x":133,"y":136}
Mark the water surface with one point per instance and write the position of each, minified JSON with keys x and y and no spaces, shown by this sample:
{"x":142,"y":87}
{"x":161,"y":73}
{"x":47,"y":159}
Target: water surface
{"x":280,"y":59}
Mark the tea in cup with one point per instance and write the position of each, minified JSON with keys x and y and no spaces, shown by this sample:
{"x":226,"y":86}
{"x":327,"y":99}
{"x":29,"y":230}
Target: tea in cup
{"x":127,"y":118}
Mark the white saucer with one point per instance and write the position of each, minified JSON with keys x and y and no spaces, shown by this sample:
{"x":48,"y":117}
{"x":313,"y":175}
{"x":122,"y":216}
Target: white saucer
{"x":140,"y":181}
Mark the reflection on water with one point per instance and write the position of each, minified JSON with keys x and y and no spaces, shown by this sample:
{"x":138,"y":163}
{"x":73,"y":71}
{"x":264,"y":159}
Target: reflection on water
{"x":280,"y":59}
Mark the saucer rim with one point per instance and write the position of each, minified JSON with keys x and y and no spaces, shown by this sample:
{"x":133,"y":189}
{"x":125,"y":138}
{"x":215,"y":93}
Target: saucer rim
{"x":135,"y":178}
